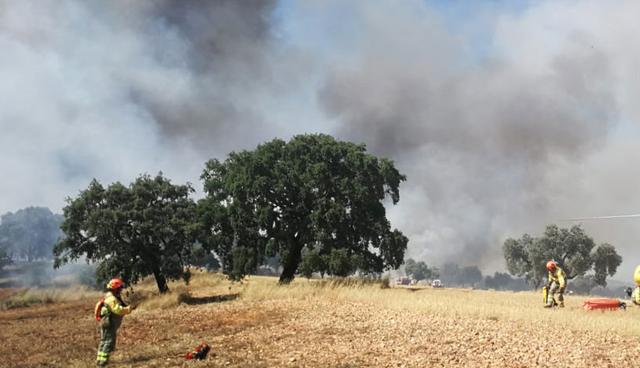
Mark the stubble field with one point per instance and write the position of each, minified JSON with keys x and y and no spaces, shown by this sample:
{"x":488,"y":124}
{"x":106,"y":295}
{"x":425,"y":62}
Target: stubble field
{"x":320,"y":324}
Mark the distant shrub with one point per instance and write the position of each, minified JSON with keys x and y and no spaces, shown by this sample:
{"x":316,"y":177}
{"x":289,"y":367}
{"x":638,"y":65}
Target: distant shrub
{"x":347,"y":282}
{"x":385,"y":283}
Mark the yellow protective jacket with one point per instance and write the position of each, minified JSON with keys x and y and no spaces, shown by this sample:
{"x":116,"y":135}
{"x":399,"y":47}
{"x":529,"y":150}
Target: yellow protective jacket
{"x":558,"y":276}
{"x":113,"y":306}
{"x":635,"y":296}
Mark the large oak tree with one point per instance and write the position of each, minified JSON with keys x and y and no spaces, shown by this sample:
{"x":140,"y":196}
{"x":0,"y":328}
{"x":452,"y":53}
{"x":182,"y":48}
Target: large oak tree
{"x":312,"y":192}
{"x":146,"y":228}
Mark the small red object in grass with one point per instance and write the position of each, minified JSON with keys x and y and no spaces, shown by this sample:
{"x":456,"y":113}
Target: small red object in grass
{"x":199,"y":353}
{"x":603,"y":304}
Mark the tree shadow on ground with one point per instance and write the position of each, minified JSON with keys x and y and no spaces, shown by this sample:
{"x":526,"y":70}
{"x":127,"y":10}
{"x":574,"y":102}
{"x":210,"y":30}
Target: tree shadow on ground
{"x":195,"y":300}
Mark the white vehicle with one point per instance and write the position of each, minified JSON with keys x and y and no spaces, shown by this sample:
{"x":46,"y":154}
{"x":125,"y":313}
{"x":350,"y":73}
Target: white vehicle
{"x":436,"y":284}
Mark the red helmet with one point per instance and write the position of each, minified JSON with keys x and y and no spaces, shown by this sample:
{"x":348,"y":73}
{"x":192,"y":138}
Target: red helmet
{"x":115,"y":284}
{"x":551,"y":265}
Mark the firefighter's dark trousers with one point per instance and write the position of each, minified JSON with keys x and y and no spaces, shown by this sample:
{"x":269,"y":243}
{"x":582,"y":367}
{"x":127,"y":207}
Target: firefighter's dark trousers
{"x":108,"y":331}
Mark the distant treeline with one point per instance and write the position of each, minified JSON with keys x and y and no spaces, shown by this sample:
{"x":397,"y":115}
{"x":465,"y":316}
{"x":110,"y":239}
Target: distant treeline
{"x":453,"y":275}
{"x":29,"y":234}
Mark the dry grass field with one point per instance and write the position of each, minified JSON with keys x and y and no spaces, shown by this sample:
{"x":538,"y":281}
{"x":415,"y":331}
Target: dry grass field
{"x":317,"y":324}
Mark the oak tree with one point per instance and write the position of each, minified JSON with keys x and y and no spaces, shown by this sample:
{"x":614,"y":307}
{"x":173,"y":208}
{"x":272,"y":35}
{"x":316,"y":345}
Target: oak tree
{"x":146,"y":228}
{"x":572,"y":248}
{"x":312,"y":192}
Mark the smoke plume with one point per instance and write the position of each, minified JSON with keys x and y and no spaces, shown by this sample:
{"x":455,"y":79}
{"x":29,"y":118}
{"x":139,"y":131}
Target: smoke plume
{"x":504,"y":117}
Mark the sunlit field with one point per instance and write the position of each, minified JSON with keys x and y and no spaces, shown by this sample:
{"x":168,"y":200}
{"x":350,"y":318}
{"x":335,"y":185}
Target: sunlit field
{"x":317,"y":323}
{"x":481,"y":304}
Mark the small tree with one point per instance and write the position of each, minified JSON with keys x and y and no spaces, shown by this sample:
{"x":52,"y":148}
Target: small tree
{"x":135,"y":231}
{"x":605,"y":263}
{"x":418,"y":270}
{"x":572,"y":248}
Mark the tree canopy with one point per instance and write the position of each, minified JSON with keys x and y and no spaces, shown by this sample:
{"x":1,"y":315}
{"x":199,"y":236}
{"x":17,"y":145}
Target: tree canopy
{"x":312,"y":192}
{"x":419,"y":270}
{"x":338,"y":262}
{"x":572,"y":248}
{"x":147,"y":228}
{"x":30,"y":233}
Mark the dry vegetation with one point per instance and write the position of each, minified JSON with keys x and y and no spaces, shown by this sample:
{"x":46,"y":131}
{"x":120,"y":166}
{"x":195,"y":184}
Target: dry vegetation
{"x":320,"y":324}
{"x":17,"y":298}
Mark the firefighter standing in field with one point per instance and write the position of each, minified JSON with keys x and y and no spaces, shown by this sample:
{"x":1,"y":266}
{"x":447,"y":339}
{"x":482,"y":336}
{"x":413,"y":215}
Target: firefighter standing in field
{"x":110,"y":312}
{"x":556,"y":285}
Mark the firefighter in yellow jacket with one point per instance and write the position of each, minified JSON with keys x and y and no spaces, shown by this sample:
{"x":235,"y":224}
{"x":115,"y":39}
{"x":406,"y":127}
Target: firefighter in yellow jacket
{"x":635,"y":295}
{"x":111,"y":312}
{"x":556,"y":285}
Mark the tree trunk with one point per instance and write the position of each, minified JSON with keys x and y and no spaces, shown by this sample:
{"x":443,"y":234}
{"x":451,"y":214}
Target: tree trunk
{"x":160,"y":280}
{"x":291,"y":262}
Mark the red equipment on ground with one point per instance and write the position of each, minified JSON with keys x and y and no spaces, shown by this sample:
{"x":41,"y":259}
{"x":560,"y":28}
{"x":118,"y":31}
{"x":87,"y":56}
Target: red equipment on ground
{"x":603,"y":304}
{"x":199,"y":353}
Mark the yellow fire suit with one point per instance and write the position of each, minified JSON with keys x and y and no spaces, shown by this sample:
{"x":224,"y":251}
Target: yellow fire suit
{"x":111,"y":315}
{"x":557,"y":284}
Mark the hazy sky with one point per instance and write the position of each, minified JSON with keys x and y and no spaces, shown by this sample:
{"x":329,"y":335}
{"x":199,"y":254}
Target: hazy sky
{"x":504,"y":115}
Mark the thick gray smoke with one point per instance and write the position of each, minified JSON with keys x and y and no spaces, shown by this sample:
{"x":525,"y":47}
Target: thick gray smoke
{"x":504,"y":118}
{"x":501,"y":137}
{"x":477,"y":141}
{"x":216,"y":56}
{"x":113,"y":89}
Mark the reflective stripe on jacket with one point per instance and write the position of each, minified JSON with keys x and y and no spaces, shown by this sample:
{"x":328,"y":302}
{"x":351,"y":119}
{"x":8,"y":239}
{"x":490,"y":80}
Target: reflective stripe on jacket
{"x":635,"y":296}
{"x":558,"y":276}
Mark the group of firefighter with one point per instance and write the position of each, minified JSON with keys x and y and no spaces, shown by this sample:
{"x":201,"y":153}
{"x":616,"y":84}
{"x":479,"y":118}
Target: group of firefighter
{"x":111,"y":309}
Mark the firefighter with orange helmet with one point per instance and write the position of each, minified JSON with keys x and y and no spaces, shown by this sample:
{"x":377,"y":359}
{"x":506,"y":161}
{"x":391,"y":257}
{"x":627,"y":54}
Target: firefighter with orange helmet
{"x":110,"y":311}
{"x":556,"y":284}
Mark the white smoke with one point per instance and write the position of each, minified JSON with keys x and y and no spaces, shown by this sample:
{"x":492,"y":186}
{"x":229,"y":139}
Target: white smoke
{"x":504,"y":119}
